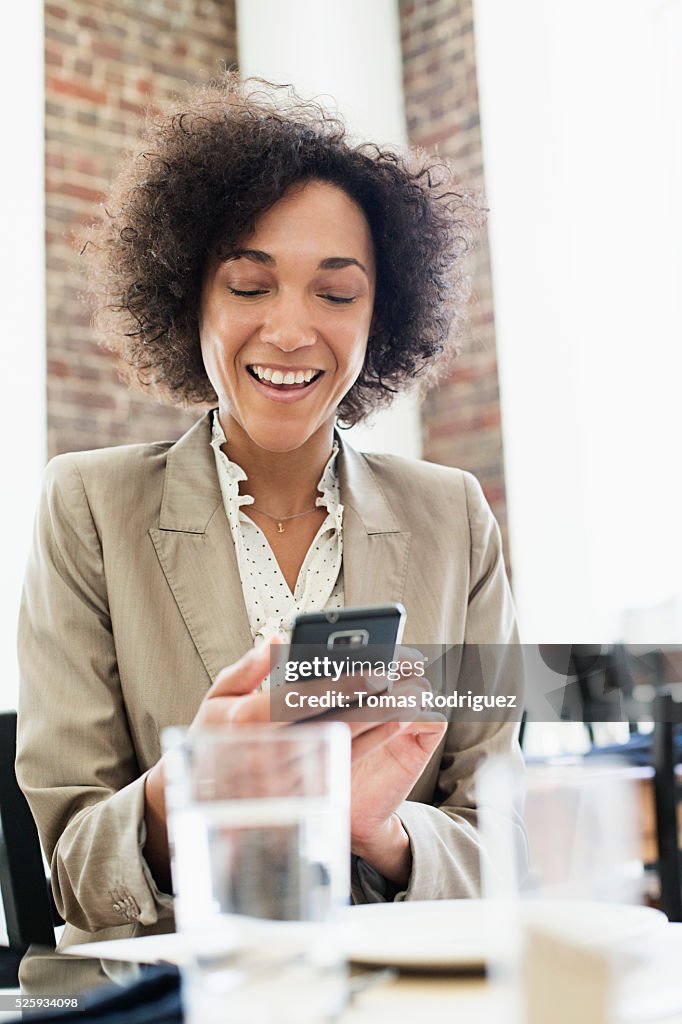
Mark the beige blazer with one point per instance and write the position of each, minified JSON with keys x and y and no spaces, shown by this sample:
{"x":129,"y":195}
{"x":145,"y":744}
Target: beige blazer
{"x":133,"y":604}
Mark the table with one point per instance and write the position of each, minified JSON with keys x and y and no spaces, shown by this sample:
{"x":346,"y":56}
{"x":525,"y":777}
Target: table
{"x":402,"y":998}
{"x":654,"y":985}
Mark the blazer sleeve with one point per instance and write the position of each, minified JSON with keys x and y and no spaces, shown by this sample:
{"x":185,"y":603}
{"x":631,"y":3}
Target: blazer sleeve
{"x":444,"y":838}
{"x":75,"y":758}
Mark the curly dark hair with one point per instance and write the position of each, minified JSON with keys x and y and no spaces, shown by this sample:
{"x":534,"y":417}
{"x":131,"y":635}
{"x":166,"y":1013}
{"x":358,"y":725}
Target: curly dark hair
{"x":205,"y":172}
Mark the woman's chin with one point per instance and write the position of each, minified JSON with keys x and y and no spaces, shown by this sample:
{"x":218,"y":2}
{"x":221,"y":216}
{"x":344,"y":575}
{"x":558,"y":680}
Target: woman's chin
{"x":280,"y":438}
{"x":277,"y":432}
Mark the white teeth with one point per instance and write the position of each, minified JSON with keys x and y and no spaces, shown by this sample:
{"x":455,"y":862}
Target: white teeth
{"x":281,"y":377}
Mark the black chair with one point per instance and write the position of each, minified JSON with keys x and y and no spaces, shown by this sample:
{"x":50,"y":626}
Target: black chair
{"x":619,"y":674}
{"x":667,"y":714}
{"x":602,"y":687}
{"x":30,"y":914}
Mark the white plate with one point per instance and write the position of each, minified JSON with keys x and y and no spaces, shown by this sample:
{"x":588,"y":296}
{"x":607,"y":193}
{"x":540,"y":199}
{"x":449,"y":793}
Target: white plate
{"x":446,"y":934}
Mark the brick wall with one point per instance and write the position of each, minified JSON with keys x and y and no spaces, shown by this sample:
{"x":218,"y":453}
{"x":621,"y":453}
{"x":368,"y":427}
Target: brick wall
{"x":106,"y":60}
{"x":461,"y":418}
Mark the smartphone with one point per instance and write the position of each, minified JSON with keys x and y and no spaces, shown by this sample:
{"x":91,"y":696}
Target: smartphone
{"x":354,"y":633}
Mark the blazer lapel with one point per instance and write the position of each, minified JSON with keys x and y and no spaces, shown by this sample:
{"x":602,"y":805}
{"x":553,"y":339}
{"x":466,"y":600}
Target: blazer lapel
{"x":197,"y":556}
{"x":375,"y":549}
{"x":196,"y":553}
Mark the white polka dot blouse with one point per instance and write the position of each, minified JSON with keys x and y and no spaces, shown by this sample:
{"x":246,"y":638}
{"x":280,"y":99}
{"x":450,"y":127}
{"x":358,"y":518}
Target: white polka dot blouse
{"x":270,"y":604}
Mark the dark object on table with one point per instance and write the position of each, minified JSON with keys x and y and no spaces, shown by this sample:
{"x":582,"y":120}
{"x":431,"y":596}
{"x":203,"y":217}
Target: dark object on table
{"x":154,"y":999}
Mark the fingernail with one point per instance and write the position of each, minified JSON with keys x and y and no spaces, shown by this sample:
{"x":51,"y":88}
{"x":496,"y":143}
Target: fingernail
{"x":376,"y":684}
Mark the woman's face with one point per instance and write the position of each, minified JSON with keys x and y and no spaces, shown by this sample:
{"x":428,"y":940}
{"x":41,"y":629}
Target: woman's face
{"x":284,"y":320}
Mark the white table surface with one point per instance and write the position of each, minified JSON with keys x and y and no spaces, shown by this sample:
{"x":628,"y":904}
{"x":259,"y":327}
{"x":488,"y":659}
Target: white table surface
{"x":653,"y":993}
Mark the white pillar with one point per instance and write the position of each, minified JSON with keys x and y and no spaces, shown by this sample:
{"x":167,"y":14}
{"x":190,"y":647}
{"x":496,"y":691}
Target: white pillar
{"x":348,"y":56}
{"x":585,"y":225}
{"x":23,"y":427}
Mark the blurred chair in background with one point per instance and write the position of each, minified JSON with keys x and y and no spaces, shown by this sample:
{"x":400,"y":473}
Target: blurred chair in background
{"x":667,"y":792}
{"x":30,"y":914}
{"x":637,"y":684}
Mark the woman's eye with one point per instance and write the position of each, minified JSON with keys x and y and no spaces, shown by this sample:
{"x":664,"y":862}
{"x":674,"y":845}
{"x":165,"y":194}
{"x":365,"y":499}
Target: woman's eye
{"x":338,"y":298}
{"x":249,"y":292}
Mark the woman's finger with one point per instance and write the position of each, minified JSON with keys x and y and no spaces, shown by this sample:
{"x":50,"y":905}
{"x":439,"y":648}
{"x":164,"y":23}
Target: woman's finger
{"x":244,"y":675}
{"x":428,"y":734}
{"x":429,"y":730}
{"x":371,"y":739}
{"x":428,"y":721}
{"x":248,"y":708}
{"x":254,"y":708}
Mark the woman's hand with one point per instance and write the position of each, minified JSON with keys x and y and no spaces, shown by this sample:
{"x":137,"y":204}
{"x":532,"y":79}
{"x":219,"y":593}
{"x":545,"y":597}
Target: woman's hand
{"x":387,"y":761}
{"x":230,"y":701}
{"x":388,"y":756}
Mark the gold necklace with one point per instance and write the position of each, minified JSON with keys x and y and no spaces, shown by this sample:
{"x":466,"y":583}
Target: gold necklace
{"x":283,"y":519}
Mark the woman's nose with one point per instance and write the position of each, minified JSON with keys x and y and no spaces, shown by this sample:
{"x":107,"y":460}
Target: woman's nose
{"x":288,"y":327}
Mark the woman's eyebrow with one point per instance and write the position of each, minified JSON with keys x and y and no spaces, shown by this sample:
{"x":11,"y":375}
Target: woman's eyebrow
{"x":255,"y":255}
{"x":330,"y":263}
{"x":339,"y":262}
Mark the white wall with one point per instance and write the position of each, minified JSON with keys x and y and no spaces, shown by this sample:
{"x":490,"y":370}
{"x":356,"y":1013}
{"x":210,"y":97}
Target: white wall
{"x":582,"y":140}
{"x":22,"y":312}
{"x":348,"y":56}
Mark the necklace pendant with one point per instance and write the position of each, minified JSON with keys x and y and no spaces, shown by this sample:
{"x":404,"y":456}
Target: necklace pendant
{"x":280,"y":528}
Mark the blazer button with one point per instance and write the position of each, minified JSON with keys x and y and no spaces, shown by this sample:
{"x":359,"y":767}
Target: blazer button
{"x":130,"y":908}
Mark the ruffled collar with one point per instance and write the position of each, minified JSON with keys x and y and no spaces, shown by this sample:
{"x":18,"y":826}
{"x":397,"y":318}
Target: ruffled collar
{"x":328,"y":485}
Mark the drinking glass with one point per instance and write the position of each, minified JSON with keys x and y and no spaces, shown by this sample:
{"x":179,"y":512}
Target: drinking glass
{"x":576,"y":835}
{"x":563,"y":875}
{"x":259,"y":831}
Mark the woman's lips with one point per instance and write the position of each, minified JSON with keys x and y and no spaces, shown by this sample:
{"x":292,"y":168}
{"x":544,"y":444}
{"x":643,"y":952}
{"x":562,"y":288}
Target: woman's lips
{"x":284,"y":392}
{"x":282,"y":374}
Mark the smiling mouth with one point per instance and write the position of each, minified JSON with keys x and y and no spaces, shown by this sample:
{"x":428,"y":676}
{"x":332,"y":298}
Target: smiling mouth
{"x":281,"y":380}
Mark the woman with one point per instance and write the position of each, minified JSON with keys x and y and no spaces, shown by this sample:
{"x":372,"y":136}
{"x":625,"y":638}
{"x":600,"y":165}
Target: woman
{"x":253,"y":260}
